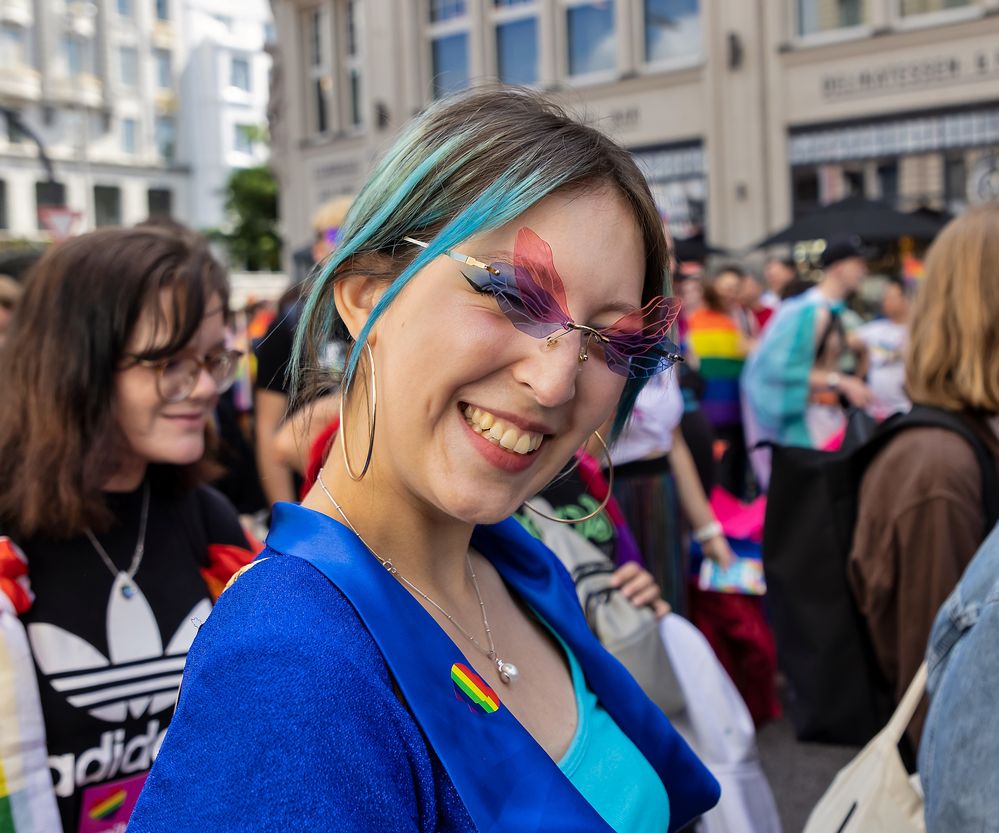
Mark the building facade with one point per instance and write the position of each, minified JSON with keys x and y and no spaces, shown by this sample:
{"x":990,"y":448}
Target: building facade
{"x":741,"y":112}
{"x":103,"y":88}
{"x":224,"y":90}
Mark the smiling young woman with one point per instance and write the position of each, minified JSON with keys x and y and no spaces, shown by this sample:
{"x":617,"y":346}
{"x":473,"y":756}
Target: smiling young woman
{"x":113,"y":367}
{"x":406,"y":656}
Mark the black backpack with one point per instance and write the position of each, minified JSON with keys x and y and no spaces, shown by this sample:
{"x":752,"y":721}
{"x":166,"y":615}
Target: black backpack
{"x":837,"y":693}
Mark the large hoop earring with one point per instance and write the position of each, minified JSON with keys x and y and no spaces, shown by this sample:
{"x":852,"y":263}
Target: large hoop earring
{"x":601,"y":507}
{"x":372,"y":414}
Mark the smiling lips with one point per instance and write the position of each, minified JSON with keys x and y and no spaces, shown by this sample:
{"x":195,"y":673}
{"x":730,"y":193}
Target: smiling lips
{"x":502,"y":433}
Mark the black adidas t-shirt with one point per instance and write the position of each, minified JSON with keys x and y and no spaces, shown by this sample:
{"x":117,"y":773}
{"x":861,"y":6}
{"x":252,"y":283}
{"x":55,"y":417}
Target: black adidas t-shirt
{"x":109,"y":663}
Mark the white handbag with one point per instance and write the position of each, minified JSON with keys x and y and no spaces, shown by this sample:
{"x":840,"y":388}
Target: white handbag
{"x":874,"y":793}
{"x":719,"y":729}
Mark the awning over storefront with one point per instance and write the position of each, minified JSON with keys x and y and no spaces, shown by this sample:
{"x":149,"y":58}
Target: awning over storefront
{"x":918,"y":133}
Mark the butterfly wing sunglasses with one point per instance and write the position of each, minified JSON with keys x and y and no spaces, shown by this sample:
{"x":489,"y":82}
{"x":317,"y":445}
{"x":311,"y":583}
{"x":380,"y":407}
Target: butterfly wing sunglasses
{"x":531,"y":294}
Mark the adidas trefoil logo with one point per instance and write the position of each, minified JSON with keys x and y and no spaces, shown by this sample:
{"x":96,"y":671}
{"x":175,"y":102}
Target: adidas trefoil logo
{"x":139,"y":676}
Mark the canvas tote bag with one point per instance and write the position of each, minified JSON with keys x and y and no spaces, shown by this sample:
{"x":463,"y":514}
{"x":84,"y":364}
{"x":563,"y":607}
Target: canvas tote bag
{"x":874,"y":793}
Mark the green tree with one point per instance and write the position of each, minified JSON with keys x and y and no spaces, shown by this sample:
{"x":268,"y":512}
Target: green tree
{"x":251,"y":241}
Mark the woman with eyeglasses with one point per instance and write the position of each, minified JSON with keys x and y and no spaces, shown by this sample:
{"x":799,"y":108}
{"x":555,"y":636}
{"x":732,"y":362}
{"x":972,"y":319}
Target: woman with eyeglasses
{"x":111,"y":550}
{"x":405,"y":656}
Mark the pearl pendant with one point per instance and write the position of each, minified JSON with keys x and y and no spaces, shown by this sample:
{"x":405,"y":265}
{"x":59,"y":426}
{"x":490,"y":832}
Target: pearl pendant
{"x":508,"y":672}
{"x":127,"y":590}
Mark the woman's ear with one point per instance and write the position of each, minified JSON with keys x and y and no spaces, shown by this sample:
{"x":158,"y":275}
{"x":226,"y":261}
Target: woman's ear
{"x":355,"y":297}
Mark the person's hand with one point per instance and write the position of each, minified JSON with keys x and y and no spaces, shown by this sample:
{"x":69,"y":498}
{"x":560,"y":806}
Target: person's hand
{"x":719,"y":551}
{"x":856,"y":391}
{"x":640,"y":588}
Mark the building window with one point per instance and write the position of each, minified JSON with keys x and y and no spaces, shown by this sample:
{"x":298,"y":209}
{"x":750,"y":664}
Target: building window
{"x":449,"y":39}
{"x":124,"y":8}
{"x":129,"y":131}
{"x":160,"y":202}
{"x":805,"y":191}
{"x":164,"y":68}
{"x":128,"y":66}
{"x":449,"y":56}
{"x":672,"y":29}
{"x":320,"y":118}
{"x":166,"y":137}
{"x":352,"y":28}
{"x":3,"y":204}
{"x":508,"y":4}
{"x":13,"y":46}
{"x":162,"y":9}
{"x":243,"y":135}
{"x":517,"y":51}
{"x":828,"y":15}
{"x":107,"y":205}
{"x":356,"y":111}
{"x":316,"y":51}
{"x":353,"y":63}
{"x":590,"y":36}
{"x":887,"y":173}
{"x":48,"y":194}
{"x":318,"y":69}
{"x":76,"y":53}
{"x":239,"y":74}
{"x":912,"y":7}
{"x":446,"y":10}
{"x":14,"y":133}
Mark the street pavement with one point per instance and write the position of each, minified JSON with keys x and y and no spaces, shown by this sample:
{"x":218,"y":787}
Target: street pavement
{"x":799,"y":773}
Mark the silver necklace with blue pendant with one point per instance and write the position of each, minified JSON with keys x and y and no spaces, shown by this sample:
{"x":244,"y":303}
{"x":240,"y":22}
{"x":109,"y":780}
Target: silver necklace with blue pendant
{"x":124,"y":580}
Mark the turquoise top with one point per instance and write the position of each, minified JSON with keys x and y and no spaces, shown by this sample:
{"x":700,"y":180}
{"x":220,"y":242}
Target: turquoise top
{"x":607,"y":768}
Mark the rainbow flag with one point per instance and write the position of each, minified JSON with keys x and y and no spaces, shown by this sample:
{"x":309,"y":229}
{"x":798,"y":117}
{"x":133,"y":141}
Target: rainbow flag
{"x":27,"y":801}
{"x":469,"y":686}
{"x":714,"y":337}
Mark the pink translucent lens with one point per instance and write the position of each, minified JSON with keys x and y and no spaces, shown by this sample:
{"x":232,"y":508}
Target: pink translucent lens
{"x":532,"y":295}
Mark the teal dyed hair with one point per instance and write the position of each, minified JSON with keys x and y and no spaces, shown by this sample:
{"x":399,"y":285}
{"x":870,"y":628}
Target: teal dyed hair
{"x":466,"y":166}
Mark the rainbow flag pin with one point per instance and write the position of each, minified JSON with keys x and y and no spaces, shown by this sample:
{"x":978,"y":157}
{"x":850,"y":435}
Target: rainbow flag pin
{"x":109,"y":806}
{"x":470,"y":688}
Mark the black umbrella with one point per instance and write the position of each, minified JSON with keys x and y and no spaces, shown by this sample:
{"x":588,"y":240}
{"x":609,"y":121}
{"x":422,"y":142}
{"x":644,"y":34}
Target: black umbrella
{"x":695,"y":248}
{"x":934,"y":215}
{"x":873,"y":221}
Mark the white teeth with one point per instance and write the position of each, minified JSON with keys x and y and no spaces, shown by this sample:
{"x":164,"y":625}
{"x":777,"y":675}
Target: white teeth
{"x":501,"y":433}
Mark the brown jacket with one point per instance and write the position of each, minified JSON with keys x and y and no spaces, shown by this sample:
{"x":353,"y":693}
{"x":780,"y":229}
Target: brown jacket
{"x":920,"y":521}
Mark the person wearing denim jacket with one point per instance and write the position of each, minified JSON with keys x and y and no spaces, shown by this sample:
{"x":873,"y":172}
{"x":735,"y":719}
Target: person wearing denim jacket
{"x":959,"y":752}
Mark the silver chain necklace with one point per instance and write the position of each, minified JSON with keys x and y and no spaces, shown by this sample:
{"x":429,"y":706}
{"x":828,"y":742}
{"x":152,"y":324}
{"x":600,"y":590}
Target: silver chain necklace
{"x":128,"y":583}
{"x":508,"y":672}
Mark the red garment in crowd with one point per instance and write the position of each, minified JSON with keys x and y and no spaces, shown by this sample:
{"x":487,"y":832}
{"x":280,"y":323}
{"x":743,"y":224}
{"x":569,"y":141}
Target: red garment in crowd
{"x":737,"y":630}
{"x":762,"y":316}
{"x":317,"y":454}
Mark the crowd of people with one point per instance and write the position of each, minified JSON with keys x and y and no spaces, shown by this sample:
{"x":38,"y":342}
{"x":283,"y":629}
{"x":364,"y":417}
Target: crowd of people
{"x":497,"y":441}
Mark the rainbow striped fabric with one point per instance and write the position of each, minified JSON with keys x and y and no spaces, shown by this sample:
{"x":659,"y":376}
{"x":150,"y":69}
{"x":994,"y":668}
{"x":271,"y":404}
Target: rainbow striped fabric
{"x":109,"y":806}
{"x":27,"y":802}
{"x":714,"y":337}
{"x":470,"y":688}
